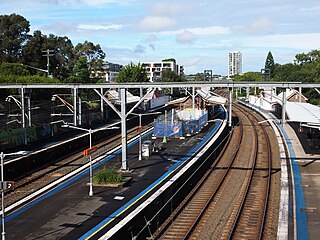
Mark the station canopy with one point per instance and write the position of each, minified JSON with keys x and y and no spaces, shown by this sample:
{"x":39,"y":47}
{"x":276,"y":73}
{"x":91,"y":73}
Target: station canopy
{"x":303,"y":113}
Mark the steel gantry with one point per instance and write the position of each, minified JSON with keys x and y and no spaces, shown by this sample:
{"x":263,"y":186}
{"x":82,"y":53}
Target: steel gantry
{"x":123,"y":114}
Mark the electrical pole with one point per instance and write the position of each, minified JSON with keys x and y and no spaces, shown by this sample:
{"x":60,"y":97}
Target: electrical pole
{"x":48,"y":53}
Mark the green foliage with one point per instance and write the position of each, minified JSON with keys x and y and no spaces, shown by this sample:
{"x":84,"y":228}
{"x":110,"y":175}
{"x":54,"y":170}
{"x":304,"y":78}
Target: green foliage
{"x":132,"y":73}
{"x":13,"y":69}
{"x":37,"y":94}
{"x":81,"y":70}
{"x":12,"y":79}
{"x":106,"y":176}
{"x":13,"y":34}
{"x":198,"y":77}
{"x":61,"y":51}
{"x":304,"y":58}
{"x":270,"y":64}
{"x":93,"y":53}
{"x":313,"y":96}
{"x":170,"y":76}
{"x":169,"y":60}
{"x":247,"y":77}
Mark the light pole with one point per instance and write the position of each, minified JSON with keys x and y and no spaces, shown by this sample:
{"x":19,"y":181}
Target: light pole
{"x":140,"y":117}
{"x":90,"y":131}
{"x":2,"y":155}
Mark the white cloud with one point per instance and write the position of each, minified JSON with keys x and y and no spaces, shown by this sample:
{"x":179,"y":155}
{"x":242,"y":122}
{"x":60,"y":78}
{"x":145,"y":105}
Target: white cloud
{"x":209,"y":30}
{"x":314,"y":8}
{"x":185,"y":37}
{"x":156,"y":23}
{"x":305,"y":41}
{"x":167,"y":9}
{"x":151,"y":38}
{"x":259,"y":25}
{"x":212,"y":30}
{"x":191,"y":61}
{"x":99,"y":27}
{"x":139,"y":49}
{"x":95,"y":3}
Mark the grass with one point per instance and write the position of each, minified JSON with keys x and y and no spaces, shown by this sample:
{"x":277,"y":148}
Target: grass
{"x":107,"y":176}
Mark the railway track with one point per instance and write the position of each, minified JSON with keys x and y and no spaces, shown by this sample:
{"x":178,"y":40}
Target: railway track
{"x":248,"y":218}
{"x":42,"y":177}
{"x":235,"y":189}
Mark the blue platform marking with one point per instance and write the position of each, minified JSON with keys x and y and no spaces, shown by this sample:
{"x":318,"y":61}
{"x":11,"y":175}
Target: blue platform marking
{"x":301,"y":217}
{"x":68,"y":182}
{"x":164,"y":176}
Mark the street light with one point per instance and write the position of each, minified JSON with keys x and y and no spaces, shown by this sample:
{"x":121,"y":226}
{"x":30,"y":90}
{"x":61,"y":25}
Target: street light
{"x":2,"y":155}
{"x":90,"y":131}
{"x":140,"y":116}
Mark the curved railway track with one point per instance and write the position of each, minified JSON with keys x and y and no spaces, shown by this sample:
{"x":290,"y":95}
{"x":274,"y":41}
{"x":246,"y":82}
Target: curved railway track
{"x":237,"y":185}
{"x":250,"y":214}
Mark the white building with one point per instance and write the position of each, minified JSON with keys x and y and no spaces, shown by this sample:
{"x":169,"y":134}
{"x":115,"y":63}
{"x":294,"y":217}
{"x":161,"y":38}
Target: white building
{"x":235,"y":63}
{"x":109,"y":71}
{"x":154,"y":69}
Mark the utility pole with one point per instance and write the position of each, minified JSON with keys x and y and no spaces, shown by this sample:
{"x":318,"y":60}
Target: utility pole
{"x":48,"y":53}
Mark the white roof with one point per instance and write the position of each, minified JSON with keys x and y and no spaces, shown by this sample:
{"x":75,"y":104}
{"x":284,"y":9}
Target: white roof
{"x":211,"y":97}
{"x":303,"y":112}
{"x":289,"y":93}
{"x":114,"y":97}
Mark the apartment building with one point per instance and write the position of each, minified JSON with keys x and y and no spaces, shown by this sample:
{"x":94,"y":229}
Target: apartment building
{"x":235,"y":63}
{"x":154,"y":69}
{"x":108,"y":71}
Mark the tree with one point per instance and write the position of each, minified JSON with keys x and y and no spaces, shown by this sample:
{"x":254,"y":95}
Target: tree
{"x":247,"y":77}
{"x":170,"y":76}
{"x":81,"y":70}
{"x":13,"y":69}
{"x":93,"y":53}
{"x":62,"y":61}
{"x":304,"y":58}
{"x":133,"y":73}
{"x":32,"y":53}
{"x":270,"y":64}
{"x":13,"y":35}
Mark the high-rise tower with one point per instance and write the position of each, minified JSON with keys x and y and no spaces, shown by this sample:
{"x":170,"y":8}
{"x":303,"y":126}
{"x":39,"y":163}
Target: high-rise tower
{"x":235,"y":63}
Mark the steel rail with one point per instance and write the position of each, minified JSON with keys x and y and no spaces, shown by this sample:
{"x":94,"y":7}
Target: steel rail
{"x":263,"y":219}
{"x":173,"y":218}
{"x":205,"y":207}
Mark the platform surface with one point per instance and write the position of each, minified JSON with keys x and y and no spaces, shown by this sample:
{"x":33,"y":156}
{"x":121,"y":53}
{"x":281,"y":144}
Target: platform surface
{"x":69,"y":213}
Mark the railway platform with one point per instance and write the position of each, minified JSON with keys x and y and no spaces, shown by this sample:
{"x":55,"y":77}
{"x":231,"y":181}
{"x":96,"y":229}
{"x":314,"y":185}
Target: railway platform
{"x":67,"y":212}
{"x":304,"y":178}
{"x":305,"y":161}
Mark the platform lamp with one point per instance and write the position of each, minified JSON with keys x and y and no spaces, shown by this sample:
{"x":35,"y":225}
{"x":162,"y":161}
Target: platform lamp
{"x":3,"y":184}
{"x":90,"y":131}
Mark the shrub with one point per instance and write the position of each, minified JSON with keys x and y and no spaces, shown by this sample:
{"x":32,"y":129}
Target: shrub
{"x":106,"y":176}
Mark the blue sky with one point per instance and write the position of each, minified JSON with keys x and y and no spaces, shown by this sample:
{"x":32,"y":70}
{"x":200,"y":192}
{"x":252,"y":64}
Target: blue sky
{"x":198,"y":34}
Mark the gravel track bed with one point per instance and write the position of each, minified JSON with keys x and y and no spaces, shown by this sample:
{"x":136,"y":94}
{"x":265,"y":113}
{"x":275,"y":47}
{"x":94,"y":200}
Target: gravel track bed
{"x":220,"y":211}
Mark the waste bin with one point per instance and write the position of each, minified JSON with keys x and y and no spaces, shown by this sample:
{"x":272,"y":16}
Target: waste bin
{"x":146,"y":148}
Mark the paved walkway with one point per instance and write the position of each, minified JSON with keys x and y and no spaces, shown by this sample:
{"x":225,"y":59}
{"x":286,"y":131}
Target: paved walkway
{"x":68,"y":213}
{"x":306,"y":169}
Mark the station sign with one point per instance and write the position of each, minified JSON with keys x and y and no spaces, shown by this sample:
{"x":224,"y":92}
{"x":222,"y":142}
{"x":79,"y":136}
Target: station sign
{"x":89,"y":151}
{"x":7,"y":185}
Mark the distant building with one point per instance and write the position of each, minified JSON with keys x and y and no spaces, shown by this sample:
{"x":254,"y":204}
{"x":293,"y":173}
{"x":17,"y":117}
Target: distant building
{"x":109,"y":71}
{"x":113,"y":71}
{"x":235,"y":63}
{"x":154,"y":69}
